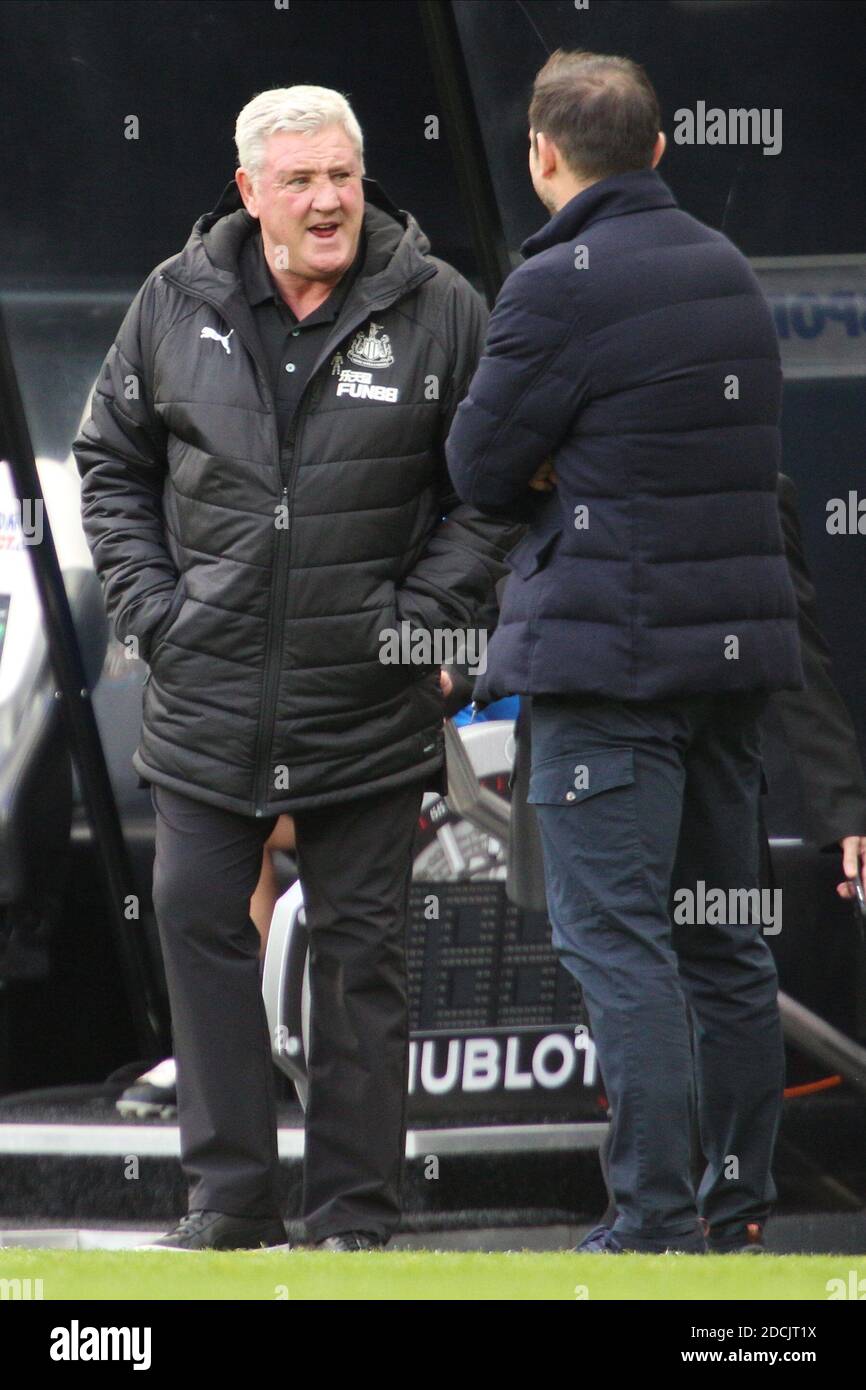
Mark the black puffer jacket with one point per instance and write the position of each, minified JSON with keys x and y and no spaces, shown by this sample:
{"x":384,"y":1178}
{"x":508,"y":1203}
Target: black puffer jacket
{"x":255,"y":576}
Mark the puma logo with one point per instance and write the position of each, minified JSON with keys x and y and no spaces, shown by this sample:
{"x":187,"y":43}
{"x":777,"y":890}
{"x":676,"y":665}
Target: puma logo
{"x":218,"y":337}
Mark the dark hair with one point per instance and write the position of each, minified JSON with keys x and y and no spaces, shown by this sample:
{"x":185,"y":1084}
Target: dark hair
{"x":602,"y":112}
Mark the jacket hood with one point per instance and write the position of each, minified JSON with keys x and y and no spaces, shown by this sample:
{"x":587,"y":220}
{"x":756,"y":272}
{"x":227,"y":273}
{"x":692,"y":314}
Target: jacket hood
{"x":614,"y":197}
{"x":396,"y":255}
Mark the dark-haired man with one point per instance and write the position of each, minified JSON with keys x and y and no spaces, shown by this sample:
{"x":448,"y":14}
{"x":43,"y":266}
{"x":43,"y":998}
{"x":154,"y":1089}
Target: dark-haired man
{"x":630,"y":388}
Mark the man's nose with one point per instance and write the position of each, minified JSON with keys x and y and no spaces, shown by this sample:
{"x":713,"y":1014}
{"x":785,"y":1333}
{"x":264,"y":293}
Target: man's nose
{"x":326,"y":197}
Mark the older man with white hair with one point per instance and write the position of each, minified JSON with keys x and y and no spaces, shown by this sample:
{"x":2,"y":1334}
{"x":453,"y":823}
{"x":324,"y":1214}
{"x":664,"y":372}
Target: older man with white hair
{"x":265,"y":495}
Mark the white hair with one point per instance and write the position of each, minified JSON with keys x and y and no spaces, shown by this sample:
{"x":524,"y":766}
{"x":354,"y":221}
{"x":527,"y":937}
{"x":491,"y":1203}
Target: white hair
{"x":304,"y":109}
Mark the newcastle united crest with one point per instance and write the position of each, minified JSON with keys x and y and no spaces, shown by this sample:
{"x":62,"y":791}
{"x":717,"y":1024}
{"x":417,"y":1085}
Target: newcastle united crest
{"x":371,"y":349}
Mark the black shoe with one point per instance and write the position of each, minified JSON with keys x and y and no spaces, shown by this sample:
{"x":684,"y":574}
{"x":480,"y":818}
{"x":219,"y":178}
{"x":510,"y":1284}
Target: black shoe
{"x":153,"y":1096}
{"x":744,"y":1239}
{"x":351,"y":1240}
{"x":214,"y":1230}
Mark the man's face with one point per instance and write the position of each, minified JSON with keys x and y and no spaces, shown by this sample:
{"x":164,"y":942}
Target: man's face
{"x":309,"y":198}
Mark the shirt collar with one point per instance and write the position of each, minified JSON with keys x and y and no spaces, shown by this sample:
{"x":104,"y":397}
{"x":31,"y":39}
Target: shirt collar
{"x":259,"y":283}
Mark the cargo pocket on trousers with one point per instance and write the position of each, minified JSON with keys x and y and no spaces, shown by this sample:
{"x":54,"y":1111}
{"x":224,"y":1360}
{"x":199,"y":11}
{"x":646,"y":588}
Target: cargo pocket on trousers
{"x":586,"y":810}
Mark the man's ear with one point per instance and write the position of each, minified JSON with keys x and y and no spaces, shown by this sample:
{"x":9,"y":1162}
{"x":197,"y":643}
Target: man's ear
{"x":548,"y":155}
{"x":661,"y":145}
{"x":245,"y":188}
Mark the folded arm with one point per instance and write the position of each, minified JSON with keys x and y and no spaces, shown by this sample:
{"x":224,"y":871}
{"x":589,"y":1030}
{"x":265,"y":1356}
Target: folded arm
{"x":529,"y":387}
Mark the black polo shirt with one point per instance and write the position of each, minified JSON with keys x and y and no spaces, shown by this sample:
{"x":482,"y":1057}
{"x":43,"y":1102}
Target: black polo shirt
{"x":290,"y":345}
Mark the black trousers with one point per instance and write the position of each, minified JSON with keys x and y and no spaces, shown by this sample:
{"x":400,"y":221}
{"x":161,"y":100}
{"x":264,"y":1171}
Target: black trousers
{"x":355,"y":867}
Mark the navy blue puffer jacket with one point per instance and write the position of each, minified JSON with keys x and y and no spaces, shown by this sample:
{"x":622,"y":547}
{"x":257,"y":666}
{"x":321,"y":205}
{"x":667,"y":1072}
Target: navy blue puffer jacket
{"x":636,"y":349}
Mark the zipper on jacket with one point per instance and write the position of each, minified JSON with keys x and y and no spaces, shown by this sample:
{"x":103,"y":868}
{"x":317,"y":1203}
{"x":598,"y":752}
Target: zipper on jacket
{"x":279,"y":593}
{"x":273,"y":638}
{"x":276,"y":623}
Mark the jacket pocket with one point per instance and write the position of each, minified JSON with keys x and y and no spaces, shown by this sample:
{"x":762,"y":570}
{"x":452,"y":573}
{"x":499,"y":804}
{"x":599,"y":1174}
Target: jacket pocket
{"x":166,"y":623}
{"x":531,"y":554}
{"x":570,"y":778}
{"x":384,"y":645}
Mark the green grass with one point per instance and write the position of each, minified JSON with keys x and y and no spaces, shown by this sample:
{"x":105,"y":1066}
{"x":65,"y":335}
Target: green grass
{"x":425,"y":1275}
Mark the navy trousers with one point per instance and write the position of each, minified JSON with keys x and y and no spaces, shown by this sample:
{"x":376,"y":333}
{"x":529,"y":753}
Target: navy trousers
{"x":636,"y":801}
